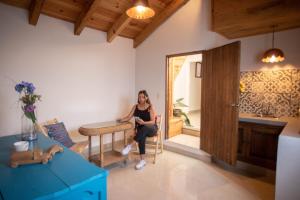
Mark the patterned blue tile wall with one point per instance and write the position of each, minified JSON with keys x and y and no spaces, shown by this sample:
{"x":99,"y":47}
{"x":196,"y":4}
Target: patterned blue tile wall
{"x":277,"y":92}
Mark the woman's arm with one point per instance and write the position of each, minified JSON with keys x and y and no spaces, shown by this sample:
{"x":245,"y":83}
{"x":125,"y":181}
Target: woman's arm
{"x":129,"y":116}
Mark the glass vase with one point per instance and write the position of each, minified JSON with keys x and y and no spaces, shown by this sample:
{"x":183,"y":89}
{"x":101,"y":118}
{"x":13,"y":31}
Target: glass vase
{"x":28,"y":129}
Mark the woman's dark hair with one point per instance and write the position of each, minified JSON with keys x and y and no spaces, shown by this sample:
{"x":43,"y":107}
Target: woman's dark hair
{"x":144,"y":92}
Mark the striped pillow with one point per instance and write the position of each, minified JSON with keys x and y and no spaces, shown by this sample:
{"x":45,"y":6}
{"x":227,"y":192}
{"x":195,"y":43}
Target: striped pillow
{"x":59,"y":133}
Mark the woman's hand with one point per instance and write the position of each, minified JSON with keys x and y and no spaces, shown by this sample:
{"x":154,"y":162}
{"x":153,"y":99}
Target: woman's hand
{"x":140,"y":121}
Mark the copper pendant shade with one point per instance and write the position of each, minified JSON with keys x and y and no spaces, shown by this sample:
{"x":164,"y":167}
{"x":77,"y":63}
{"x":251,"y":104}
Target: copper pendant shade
{"x":140,"y":10}
{"x":273,"y":55}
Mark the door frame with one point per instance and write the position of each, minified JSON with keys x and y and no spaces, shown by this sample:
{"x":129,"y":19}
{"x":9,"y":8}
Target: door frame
{"x":167,"y":83}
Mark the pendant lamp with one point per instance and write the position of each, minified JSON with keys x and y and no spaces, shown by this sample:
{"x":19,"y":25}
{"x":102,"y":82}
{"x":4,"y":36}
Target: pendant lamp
{"x":273,"y":55}
{"x":140,"y":10}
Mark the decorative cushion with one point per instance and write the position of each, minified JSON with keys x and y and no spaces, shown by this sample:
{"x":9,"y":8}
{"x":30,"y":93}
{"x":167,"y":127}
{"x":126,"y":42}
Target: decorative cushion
{"x":59,"y":133}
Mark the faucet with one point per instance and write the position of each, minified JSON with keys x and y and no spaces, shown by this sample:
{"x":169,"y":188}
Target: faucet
{"x":266,"y":110}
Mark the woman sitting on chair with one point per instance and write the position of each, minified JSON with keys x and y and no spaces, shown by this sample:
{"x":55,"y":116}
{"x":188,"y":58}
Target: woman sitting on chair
{"x":145,"y":125}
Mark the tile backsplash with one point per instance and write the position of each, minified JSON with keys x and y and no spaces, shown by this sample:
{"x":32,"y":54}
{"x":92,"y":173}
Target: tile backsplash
{"x":278,"y":90}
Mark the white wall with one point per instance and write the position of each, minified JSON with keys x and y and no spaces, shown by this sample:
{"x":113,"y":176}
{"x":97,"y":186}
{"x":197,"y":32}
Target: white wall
{"x":181,"y":84}
{"x":186,"y":85}
{"x":194,"y":89}
{"x":252,"y":49}
{"x":82,"y":79}
{"x":189,"y":30}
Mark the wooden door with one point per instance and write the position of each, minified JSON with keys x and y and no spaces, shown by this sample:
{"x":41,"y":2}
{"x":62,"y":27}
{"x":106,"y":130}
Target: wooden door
{"x":219,"y":110}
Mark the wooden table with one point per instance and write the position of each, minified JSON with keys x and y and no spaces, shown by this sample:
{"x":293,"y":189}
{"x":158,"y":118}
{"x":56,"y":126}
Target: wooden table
{"x":100,"y":129}
{"x":66,"y":176}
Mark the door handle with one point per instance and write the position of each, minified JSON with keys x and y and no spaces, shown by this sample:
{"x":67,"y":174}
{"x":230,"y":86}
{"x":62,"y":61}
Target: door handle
{"x":235,"y":105}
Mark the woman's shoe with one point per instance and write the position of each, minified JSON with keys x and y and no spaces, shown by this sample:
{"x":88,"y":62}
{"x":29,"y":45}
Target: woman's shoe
{"x":126,"y":150}
{"x":140,"y":165}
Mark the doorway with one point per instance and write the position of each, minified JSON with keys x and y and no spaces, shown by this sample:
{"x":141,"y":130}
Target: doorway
{"x":219,"y":80}
{"x":184,"y":99}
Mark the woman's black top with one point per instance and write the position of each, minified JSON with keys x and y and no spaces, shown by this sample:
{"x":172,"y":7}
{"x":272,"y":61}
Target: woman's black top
{"x":143,"y":114}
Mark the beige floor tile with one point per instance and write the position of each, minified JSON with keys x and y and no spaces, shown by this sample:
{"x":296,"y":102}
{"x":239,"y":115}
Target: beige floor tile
{"x":188,"y":140}
{"x":178,"y":177}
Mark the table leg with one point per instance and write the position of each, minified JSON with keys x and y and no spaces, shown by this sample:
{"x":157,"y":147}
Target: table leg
{"x":101,"y":151}
{"x":113,"y":141}
{"x":90,"y":147}
{"x":125,"y":138}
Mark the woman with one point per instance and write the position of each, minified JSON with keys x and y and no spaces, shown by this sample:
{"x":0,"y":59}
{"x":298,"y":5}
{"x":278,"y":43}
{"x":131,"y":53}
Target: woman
{"x":145,"y":125}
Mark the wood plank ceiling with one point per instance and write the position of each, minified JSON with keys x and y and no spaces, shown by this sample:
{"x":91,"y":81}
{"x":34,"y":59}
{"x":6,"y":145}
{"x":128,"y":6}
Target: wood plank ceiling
{"x":240,"y":18}
{"x":105,"y":15}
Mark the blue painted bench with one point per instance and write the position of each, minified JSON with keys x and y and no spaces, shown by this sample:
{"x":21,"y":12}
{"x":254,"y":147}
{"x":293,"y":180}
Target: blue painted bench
{"x":66,"y":176}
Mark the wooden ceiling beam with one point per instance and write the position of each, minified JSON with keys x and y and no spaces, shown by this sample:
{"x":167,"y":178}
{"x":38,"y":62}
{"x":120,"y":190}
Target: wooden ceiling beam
{"x":118,"y":27}
{"x":35,"y":9}
{"x":84,"y":16}
{"x":170,"y":9}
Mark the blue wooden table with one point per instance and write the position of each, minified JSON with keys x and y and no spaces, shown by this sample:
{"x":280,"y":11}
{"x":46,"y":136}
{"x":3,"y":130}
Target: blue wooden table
{"x":66,"y":176}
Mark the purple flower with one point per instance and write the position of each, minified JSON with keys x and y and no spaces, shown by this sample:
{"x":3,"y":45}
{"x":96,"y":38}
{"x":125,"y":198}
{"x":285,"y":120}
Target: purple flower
{"x":29,"y":108}
{"x":28,"y":86}
{"x":19,"y":87}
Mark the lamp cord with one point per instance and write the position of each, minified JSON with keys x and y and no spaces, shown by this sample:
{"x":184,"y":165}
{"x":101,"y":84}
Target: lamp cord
{"x":273,"y":40}
{"x":273,"y":36}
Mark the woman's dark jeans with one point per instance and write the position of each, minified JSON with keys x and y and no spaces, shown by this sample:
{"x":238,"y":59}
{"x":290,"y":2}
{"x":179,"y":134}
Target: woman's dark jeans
{"x":142,"y":132}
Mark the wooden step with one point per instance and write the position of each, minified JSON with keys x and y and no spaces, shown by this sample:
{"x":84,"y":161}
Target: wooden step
{"x":175,"y":127}
{"x":189,"y":131}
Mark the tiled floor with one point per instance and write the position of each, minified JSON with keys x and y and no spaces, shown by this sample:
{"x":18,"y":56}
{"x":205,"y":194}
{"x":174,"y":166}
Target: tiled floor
{"x":178,"y":177}
{"x":188,"y":140}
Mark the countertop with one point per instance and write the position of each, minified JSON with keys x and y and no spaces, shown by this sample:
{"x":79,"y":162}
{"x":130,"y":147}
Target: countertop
{"x":291,"y":124}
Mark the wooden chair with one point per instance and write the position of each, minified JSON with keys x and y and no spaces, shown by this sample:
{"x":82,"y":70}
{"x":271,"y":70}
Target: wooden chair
{"x":156,"y":141}
{"x":78,"y":147}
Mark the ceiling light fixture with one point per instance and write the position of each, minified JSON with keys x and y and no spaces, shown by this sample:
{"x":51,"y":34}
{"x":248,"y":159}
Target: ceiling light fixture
{"x":140,"y":10}
{"x":273,"y":55}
